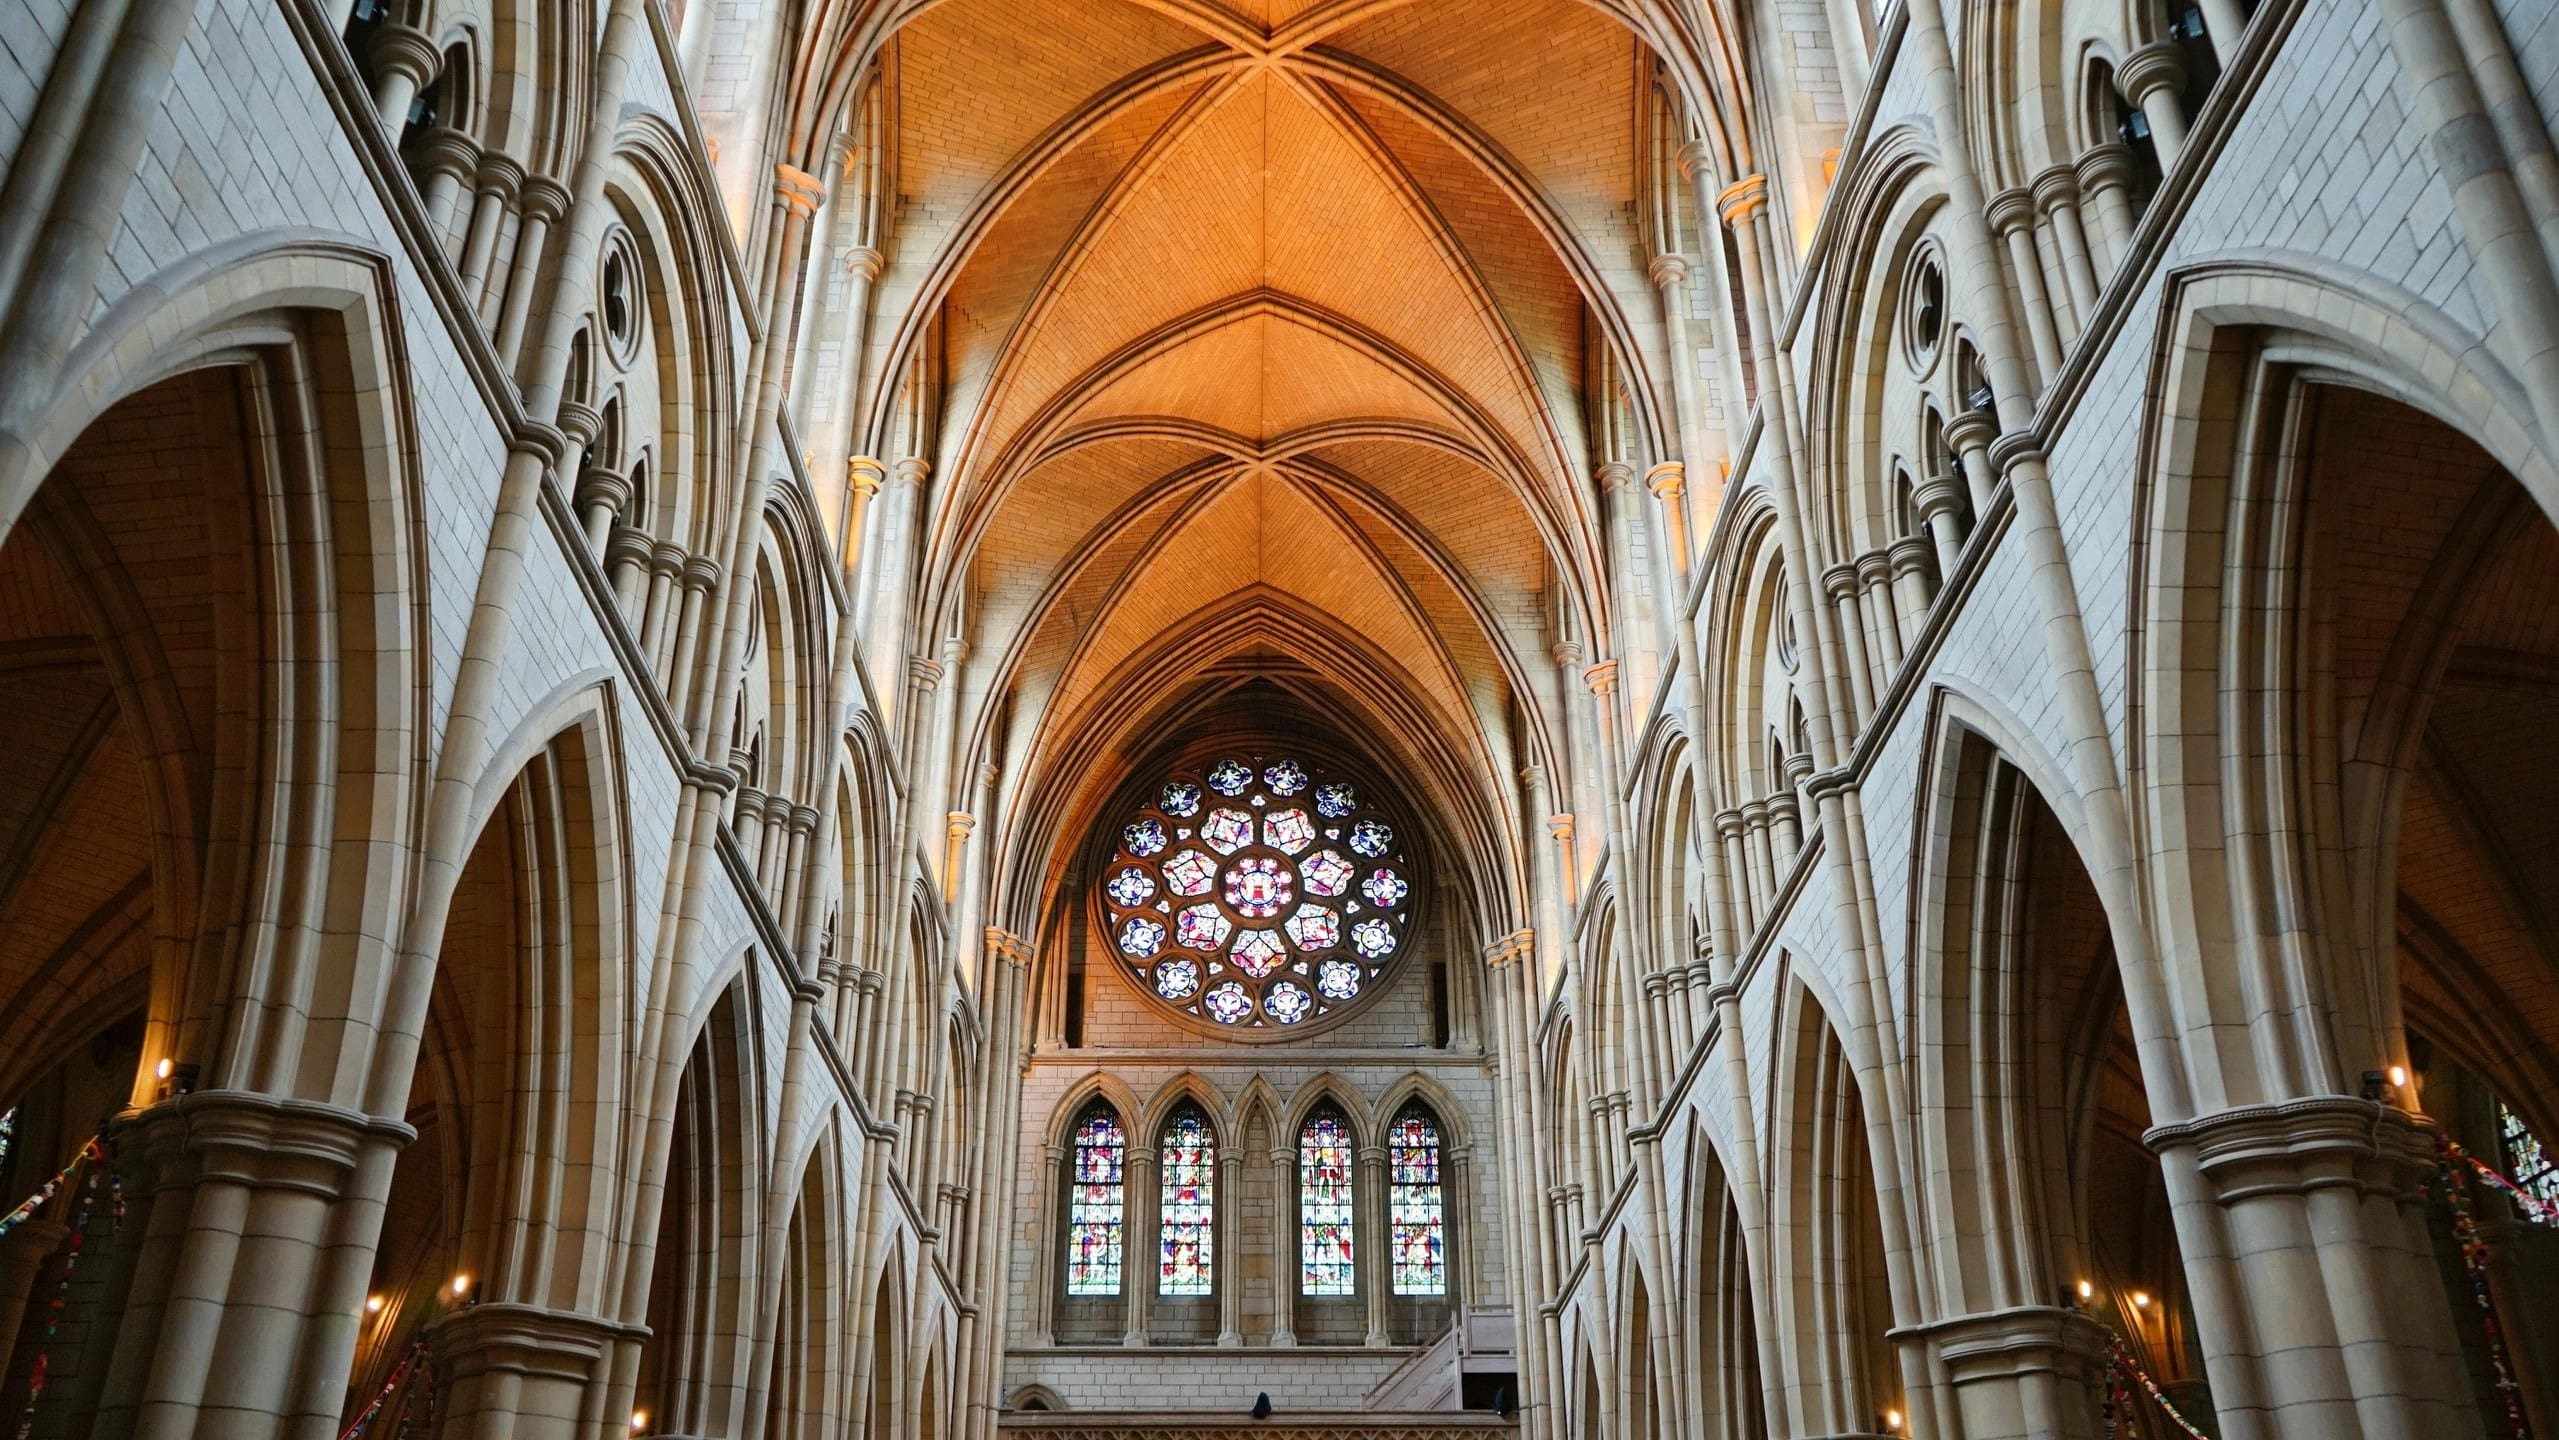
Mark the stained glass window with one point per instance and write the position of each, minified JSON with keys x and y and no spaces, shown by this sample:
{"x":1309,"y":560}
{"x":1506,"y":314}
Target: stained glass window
{"x":1094,"y":1207}
{"x":1256,"y":892}
{"x":1416,"y":1212}
{"x":1188,"y":1220}
{"x":2529,"y":1163}
{"x":1324,"y":1212}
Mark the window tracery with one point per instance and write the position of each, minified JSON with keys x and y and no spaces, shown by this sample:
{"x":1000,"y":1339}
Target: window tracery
{"x":1095,"y":1207}
{"x":1187,"y":1217}
{"x":2528,"y":1161}
{"x":1325,"y":1210}
{"x":1416,"y":1206}
{"x":1259,"y":892}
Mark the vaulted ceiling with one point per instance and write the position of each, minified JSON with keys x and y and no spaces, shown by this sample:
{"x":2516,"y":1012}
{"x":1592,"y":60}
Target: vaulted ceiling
{"x":1265,"y":334}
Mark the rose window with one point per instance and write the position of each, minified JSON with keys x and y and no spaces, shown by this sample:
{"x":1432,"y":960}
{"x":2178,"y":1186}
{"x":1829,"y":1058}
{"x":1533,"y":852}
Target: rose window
{"x":1257,"y":892}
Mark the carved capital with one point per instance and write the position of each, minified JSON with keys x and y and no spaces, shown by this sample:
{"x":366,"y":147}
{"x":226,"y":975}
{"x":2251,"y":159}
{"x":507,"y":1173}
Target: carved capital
{"x":1742,"y":199}
{"x":864,"y":262}
{"x":1667,"y":270}
{"x":2010,"y":210}
{"x":1668,"y":480}
{"x":2106,"y":166}
{"x":798,"y":189}
{"x":2159,"y":65}
{"x":864,"y":474}
{"x":2056,"y":186}
{"x":1601,"y":678}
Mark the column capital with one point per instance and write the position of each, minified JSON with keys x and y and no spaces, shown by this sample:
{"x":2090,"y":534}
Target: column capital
{"x":543,"y":199}
{"x":1667,"y":270}
{"x":961,"y":823}
{"x":866,"y":262}
{"x":445,"y":150}
{"x":924,"y":671}
{"x":798,"y":189}
{"x":630,"y":545}
{"x":528,"y":1340}
{"x":2159,"y":65}
{"x":1012,"y":949}
{"x":1566,"y":653}
{"x":268,"y":1141}
{"x":912,"y":470}
{"x":1509,"y":947}
{"x":667,"y":558}
{"x":2055,"y":186}
{"x":2296,"y":1146}
{"x":2106,"y":165}
{"x":2020,"y":1340}
{"x":1601,"y":678}
{"x":2017,"y":447}
{"x":1940,"y":494}
{"x":954,"y":650}
{"x":1971,"y":430}
{"x":701,"y":572}
{"x":1612,"y":476}
{"x":1696,"y":159}
{"x":1560,"y":827}
{"x":1668,"y":480}
{"x":1911,"y":555}
{"x":864,"y":474}
{"x":598,"y":485}
{"x":407,"y":51}
{"x":2011,"y":210}
{"x":499,"y":172}
{"x":1840,"y":580}
{"x":1283,"y":1154}
{"x":1742,"y":199}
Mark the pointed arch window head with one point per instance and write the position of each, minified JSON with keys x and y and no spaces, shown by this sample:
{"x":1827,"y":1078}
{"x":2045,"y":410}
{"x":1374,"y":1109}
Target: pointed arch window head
{"x":1096,"y":1204}
{"x":2528,"y":1161}
{"x":1417,"y":1209}
{"x":1187,"y":1222}
{"x":1324,"y":1207}
{"x":1257,"y":892}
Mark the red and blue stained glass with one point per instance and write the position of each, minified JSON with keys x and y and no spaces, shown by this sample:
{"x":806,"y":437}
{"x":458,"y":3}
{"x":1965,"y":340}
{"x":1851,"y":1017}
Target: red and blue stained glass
{"x":1326,"y":872}
{"x":1385,"y":889}
{"x":1337,"y":980}
{"x":1259,"y":952}
{"x":1315,"y":928}
{"x":1200,"y":928}
{"x":1288,"y":830}
{"x":1095,"y":1208}
{"x":1258,"y":887}
{"x":1324,"y":1225}
{"x":1374,"y":939}
{"x":1285,"y":778}
{"x":1335,"y":800}
{"x":1287,"y":1002}
{"x":1178,"y":978}
{"x":1190,"y":873}
{"x":1141,"y":937}
{"x":1132,"y":886}
{"x":1188,"y":1219}
{"x":1143,"y":838}
{"x":1230,"y":777}
{"x":1416,"y":1208}
{"x":1227,"y":831}
{"x":1372,"y":838}
{"x":2529,"y":1162}
{"x":1180,"y":799}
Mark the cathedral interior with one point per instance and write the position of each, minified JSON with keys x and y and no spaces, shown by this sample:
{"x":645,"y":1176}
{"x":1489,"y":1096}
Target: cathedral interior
{"x":1279,"y":719}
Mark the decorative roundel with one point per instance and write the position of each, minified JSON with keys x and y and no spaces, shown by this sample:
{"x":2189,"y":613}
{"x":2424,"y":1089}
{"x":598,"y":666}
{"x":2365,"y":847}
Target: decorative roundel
{"x":1257,"y":892}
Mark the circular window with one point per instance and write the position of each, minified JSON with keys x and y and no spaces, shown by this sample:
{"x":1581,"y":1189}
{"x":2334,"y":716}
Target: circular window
{"x":1924,"y":309}
{"x":1257,"y":893}
{"x":617,"y":298}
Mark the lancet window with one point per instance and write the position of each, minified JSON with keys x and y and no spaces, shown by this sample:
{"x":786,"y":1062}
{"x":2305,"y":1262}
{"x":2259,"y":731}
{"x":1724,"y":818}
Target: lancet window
{"x":1096,"y":1206}
{"x":1417,"y":1209}
{"x":1325,"y":1223}
{"x":1186,"y":1222}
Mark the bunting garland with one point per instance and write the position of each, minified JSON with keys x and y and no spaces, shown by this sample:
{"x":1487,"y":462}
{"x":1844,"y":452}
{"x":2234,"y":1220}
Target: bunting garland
{"x":2474,"y":1258}
{"x":2120,"y":1361}
{"x":2540,"y":1209}
{"x":415,"y":1359}
{"x":92,"y":1158}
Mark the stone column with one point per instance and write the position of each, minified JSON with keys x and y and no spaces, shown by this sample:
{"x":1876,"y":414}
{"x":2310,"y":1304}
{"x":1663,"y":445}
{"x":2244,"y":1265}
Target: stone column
{"x":1969,"y":433}
{"x":700,"y":578}
{"x":2057,"y":196}
{"x":601,"y":494}
{"x":1865,"y":681}
{"x":666,"y":561}
{"x":1284,"y":1257}
{"x":1913,"y":589}
{"x":2031,"y":1370}
{"x":1139,"y":1266}
{"x":500,"y":176}
{"x":522,"y":1372}
{"x":2153,"y":76}
{"x":2105,"y":177}
{"x":1875,"y":578}
{"x":626,"y":559}
{"x":2311,"y":1226}
{"x":248,"y":1217}
{"x":1940,"y":502}
{"x":2012,"y":215}
{"x":1731,"y":827}
{"x":1368,"y":1218}
{"x":544,"y":201}
{"x":1670,"y":276}
{"x":404,"y":60}
{"x":1669,"y":484}
{"x":862,"y":476}
{"x":1226,"y":1264}
{"x":441,"y":159}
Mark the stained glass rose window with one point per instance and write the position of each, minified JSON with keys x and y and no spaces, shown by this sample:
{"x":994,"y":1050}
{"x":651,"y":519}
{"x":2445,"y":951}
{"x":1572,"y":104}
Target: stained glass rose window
{"x":1257,"y":892}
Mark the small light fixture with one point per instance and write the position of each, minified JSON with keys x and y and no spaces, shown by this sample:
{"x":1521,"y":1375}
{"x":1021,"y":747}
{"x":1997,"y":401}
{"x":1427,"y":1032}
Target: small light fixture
{"x":1892,"y":1419}
{"x":2086,"y":1290}
{"x":461,"y":1286}
{"x":639,"y":1421}
{"x":165,"y":1068}
{"x":2141,"y":1299}
{"x":2398,"y":1077}
{"x":372,"y":1304}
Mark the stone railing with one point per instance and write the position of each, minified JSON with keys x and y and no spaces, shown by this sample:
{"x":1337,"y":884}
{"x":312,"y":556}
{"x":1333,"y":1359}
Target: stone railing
{"x":1156,"y":1425}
